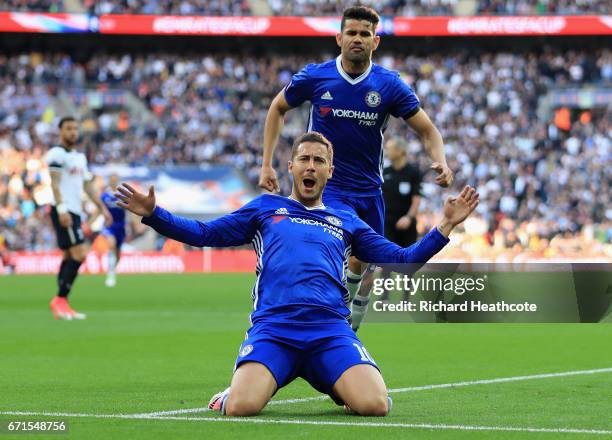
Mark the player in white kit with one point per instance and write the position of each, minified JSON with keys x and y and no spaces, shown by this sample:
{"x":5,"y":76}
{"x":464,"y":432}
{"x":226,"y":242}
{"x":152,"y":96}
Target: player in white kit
{"x":69,"y":177}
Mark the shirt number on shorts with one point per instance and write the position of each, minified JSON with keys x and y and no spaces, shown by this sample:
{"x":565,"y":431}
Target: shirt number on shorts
{"x":365,"y":356}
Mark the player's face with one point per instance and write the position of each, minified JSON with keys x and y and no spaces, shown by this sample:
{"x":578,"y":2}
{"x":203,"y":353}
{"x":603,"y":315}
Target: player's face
{"x":311,"y":168}
{"x":69,"y":133}
{"x":358,"y":40}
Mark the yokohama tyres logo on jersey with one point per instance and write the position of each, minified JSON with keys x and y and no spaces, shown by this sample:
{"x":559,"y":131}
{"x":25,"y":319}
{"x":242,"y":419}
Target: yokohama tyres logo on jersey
{"x":365,"y":118}
{"x":330,"y":229}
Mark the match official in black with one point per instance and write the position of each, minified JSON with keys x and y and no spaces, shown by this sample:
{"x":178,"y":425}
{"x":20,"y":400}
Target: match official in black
{"x":402,"y":194}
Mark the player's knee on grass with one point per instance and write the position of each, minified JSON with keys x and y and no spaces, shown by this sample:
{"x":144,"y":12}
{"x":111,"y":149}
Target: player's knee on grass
{"x":242,"y":405}
{"x":372,"y":406}
{"x":363,"y":389}
{"x":252,"y":387}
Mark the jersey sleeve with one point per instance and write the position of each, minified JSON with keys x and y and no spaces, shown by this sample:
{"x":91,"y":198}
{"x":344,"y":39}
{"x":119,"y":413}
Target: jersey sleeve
{"x":55,"y":159}
{"x":405,"y":102}
{"x":233,"y":229}
{"x":300,"y":87}
{"x":371,"y":247}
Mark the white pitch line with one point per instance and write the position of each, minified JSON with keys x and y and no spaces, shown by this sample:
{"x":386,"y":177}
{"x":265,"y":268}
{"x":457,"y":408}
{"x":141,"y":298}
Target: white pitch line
{"x":205,"y":409}
{"x":63,"y":414}
{"x":316,"y":423}
{"x":502,"y":380}
{"x":394,"y":425}
{"x":174,"y":412}
{"x":404,"y":390}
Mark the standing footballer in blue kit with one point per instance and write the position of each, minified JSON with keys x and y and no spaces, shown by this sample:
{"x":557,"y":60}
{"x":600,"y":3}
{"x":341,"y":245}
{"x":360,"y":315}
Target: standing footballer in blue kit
{"x":351,"y":100}
{"x":299,"y":319}
{"x":115,"y":233}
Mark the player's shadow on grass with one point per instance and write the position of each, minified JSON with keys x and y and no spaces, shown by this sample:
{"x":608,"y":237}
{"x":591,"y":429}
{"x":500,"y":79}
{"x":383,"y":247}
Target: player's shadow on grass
{"x":305,"y":412}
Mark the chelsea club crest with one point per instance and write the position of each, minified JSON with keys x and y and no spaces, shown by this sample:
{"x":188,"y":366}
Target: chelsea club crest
{"x":334,"y":220}
{"x":373,"y":99}
{"x":247,"y":349}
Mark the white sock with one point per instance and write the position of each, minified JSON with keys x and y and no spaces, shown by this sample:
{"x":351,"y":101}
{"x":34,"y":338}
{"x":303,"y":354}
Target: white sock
{"x":112,"y":262}
{"x":353,"y":282}
{"x":359,"y":307}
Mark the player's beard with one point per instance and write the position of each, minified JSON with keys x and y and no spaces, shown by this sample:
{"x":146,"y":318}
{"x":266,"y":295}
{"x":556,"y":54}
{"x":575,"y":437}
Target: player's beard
{"x":299,"y":190}
{"x":69,"y":143}
{"x":358,"y":57}
{"x":314,"y":195}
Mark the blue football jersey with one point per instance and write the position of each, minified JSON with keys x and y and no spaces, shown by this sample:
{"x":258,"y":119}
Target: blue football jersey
{"x":116,"y":212}
{"x":302,"y":253}
{"x":353,"y":114}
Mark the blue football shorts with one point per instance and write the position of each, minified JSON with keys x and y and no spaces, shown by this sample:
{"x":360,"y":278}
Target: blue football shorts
{"x":119,"y":235}
{"x":317,"y":353}
{"x":370,"y":209}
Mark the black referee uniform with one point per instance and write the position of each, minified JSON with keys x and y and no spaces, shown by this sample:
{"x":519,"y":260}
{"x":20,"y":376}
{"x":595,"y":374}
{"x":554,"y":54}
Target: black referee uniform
{"x":399,"y":189}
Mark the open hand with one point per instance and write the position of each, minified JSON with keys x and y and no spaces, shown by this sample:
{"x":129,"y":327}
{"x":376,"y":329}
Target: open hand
{"x":456,"y":209}
{"x":134,"y":201}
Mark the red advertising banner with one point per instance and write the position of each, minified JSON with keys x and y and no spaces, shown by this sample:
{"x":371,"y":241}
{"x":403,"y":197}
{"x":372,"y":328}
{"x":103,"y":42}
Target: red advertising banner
{"x":228,"y":260}
{"x":208,"y":260}
{"x":302,"y":26}
{"x":231,"y":26}
{"x":490,"y":26}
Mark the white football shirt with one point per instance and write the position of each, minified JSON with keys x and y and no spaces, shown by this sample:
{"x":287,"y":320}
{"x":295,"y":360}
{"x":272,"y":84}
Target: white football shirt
{"x":73,"y":167}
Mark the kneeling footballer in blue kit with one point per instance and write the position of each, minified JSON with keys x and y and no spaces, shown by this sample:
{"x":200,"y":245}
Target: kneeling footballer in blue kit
{"x":300,"y":324}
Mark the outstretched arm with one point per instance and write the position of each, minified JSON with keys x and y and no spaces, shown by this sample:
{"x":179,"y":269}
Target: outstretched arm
{"x":373,"y":248}
{"x":294,"y":94}
{"x":275,"y":119}
{"x":434,"y":145}
{"x":233,"y":229}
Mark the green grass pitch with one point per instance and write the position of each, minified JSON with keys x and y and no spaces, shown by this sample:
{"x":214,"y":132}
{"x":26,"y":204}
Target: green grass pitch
{"x":168,"y":342}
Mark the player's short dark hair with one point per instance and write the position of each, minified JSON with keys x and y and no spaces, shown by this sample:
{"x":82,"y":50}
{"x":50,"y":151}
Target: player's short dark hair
{"x":66,"y":119}
{"x":313,"y":136}
{"x":360,"y":13}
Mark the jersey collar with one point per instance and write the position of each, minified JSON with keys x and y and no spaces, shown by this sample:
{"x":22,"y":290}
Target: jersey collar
{"x":321,"y":206}
{"x":347,"y":77}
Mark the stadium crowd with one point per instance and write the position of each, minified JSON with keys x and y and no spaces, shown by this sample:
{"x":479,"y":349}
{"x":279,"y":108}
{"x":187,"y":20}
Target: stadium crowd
{"x":32,"y":5}
{"x":409,"y":8}
{"x":384,"y":7}
{"x":540,"y":183}
{"x":542,"y":7}
{"x":170,"y":7}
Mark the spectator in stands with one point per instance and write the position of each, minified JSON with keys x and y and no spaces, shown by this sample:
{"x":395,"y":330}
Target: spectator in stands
{"x":538,"y":179}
